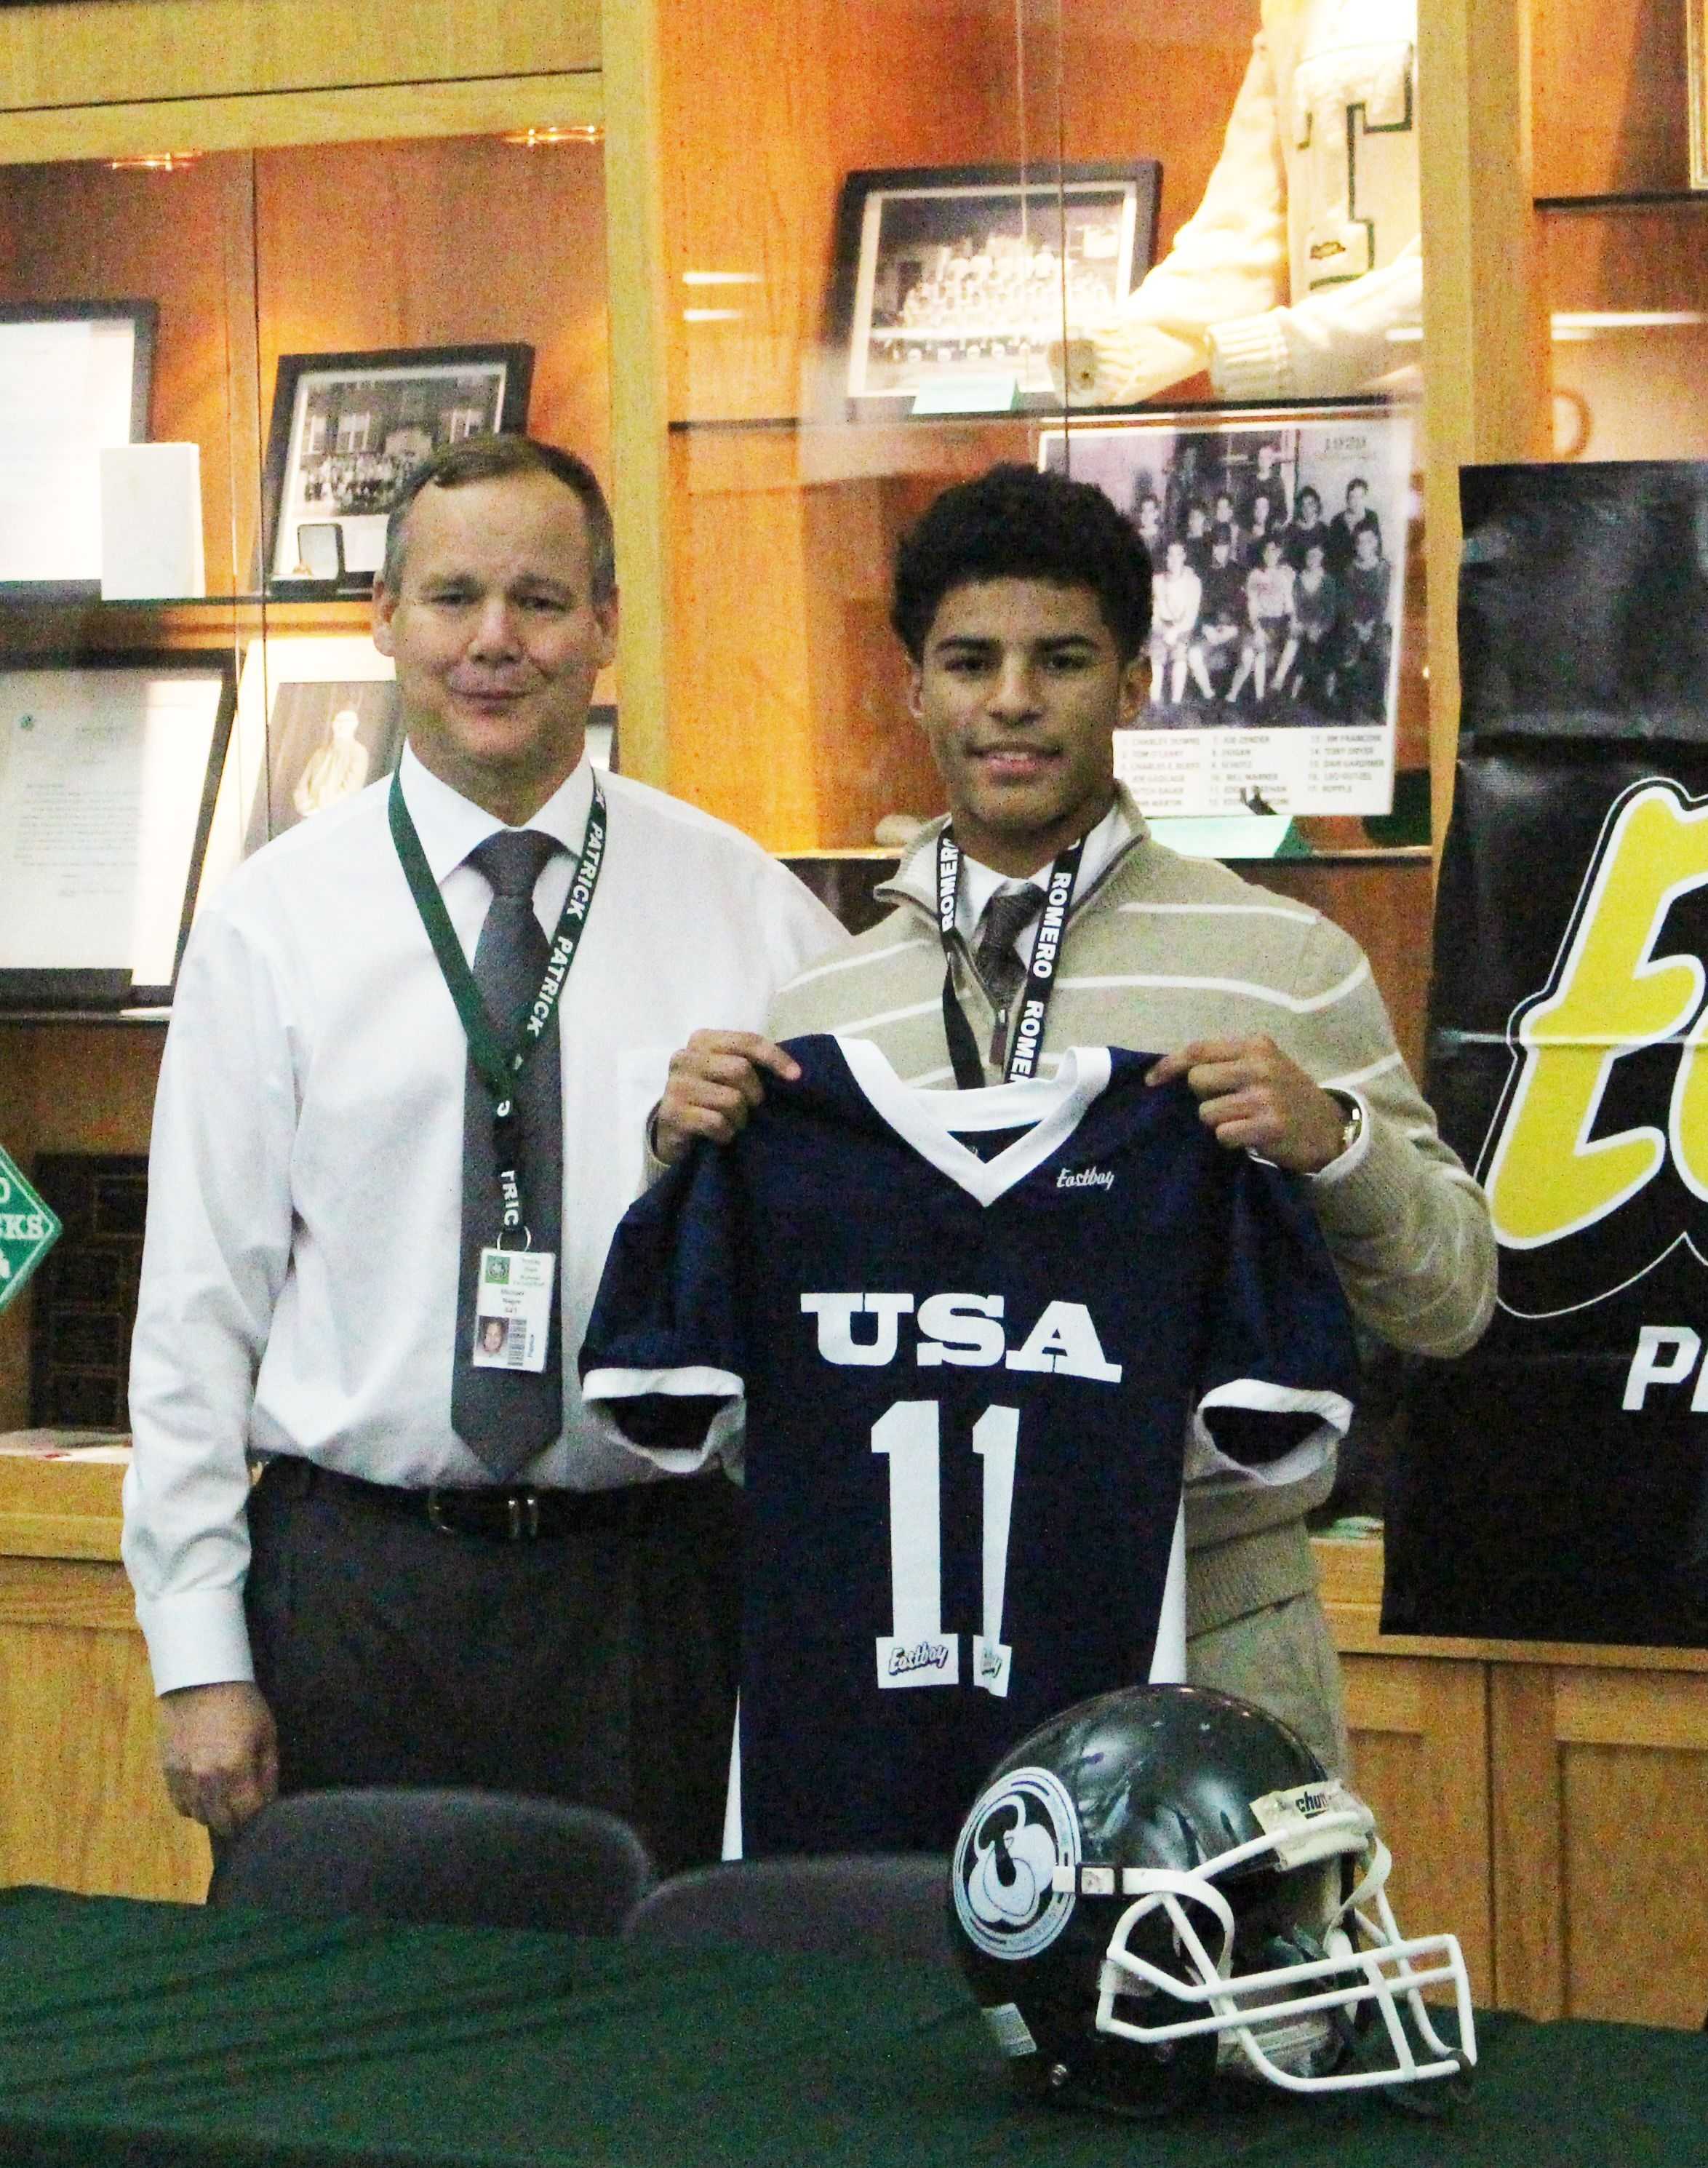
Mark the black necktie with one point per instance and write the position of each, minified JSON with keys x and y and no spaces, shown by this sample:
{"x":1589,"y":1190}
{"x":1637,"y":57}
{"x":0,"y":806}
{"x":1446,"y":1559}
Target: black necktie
{"x":995,"y":956}
{"x":506,"y":1416}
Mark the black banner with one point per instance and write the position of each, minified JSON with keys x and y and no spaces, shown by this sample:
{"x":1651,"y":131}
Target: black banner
{"x":1551,"y":1484}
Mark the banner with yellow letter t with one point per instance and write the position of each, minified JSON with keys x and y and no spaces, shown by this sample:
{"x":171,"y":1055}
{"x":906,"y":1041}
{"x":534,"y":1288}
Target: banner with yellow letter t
{"x":1554,"y":1484}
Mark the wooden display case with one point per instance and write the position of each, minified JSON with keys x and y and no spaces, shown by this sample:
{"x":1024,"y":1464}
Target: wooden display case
{"x":1539,"y":1799}
{"x":351,"y":194}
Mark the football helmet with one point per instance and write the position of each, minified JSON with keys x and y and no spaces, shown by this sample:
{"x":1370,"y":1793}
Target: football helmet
{"x":1162,"y":1883}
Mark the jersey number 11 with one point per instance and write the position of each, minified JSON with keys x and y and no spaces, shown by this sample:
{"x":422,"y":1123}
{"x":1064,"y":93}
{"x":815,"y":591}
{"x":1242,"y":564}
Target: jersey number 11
{"x":916,"y":1652}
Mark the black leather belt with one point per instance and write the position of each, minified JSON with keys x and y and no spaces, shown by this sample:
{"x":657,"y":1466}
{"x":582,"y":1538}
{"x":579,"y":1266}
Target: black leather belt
{"x":516,"y":1514}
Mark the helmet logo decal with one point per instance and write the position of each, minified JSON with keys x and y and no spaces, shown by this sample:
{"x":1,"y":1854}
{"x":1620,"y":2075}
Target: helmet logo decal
{"x":1017,"y":1865}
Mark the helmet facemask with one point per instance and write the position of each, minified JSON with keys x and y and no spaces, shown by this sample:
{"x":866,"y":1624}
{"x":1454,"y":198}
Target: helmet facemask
{"x":1268,"y":1947}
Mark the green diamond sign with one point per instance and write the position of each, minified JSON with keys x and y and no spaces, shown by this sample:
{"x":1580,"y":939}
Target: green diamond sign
{"x":28,"y":1229}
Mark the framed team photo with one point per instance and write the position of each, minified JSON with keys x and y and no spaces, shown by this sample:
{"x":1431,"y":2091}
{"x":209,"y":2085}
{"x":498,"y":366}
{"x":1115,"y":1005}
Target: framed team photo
{"x":952,"y":281}
{"x":348,"y":429}
{"x":1278,"y":541}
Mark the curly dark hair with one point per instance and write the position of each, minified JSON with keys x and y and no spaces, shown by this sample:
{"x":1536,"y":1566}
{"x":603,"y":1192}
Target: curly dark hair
{"x":1015,"y":523}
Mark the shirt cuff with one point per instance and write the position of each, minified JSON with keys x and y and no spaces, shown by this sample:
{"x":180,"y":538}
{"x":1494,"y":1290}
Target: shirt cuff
{"x":198,"y":1639}
{"x":1250,"y":358}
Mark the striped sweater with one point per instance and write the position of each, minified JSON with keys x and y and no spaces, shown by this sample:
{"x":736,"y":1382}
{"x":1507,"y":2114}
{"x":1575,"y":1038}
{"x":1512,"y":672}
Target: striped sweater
{"x":1162,"y":949}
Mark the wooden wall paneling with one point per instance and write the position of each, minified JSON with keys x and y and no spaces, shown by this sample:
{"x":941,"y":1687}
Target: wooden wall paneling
{"x":1604,"y":1779}
{"x":1629,"y":392}
{"x":126,"y":49}
{"x":1526,"y":1844}
{"x":634,"y":169}
{"x":1155,"y":81}
{"x":93,"y":1086}
{"x":257,"y":121}
{"x":83,"y":232}
{"x":782,"y":545}
{"x":17,"y":1135}
{"x":1611,"y":89}
{"x":765,"y":109}
{"x":1627,"y":259}
{"x":744,"y":751}
{"x":82,"y":1803}
{"x":1485,"y":325}
{"x":440,"y":243}
{"x":1421,"y":1758}
{"x":1385,"y":904}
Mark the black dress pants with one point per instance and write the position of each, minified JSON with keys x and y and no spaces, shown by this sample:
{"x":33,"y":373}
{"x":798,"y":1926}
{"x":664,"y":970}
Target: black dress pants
{"x":597,"y":1666}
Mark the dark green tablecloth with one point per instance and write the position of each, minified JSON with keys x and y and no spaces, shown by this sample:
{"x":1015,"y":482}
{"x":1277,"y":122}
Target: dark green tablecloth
{"x":150,"y":2033}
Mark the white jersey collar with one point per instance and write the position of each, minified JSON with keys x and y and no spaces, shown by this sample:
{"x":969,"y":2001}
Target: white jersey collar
{"x":927,"y":1121}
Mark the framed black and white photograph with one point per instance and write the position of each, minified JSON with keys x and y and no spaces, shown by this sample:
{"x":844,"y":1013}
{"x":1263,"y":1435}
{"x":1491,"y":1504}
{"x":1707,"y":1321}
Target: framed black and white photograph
{"x":318,"y":720}
{"x":75,"y":379}
{"x":348,"y":429}
{"x":952,"y":282}
{"x":1278,"y":544}
{"x":108,"y":770}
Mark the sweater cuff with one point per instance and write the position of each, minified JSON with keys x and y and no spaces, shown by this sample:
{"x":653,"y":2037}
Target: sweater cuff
{"x":1250,"y":358}
{"x":1368,"y":1189}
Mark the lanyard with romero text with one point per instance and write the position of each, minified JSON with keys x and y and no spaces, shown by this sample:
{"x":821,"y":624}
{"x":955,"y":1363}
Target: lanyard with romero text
{"x":1026,"y":1040}
{"x":498,"y":1067}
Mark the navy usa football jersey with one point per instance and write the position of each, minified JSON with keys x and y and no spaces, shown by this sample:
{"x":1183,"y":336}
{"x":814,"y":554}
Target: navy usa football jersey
{"x":962,"y":1388}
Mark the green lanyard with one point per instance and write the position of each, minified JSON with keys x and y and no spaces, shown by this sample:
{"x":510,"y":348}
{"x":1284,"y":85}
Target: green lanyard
{"x":498,"y":1068}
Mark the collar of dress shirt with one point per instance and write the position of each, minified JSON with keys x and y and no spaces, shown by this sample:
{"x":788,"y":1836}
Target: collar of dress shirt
{"x":451,"y":826}
{"x":979,"y":883}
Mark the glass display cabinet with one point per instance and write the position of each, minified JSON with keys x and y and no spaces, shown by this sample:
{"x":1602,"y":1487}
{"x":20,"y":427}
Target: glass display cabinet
{"x":727,"y":230}
{"x":781,"y":273}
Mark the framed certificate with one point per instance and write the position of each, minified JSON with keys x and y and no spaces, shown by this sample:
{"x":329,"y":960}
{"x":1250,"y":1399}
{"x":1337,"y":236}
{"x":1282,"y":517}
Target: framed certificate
{"x":109,"y":767}
{"x":74,"y":381}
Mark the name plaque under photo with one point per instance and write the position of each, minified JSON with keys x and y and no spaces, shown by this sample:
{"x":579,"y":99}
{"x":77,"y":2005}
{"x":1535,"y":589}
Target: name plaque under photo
{"x":108,"y":771}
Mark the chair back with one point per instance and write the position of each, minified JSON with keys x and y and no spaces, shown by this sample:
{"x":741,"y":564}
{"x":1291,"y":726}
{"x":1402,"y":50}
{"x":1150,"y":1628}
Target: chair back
{"x":881,"y":1905}
{"x":464,"y":1858}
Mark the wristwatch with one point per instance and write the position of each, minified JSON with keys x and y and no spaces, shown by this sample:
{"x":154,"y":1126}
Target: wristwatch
{"x":1352,"y":1126}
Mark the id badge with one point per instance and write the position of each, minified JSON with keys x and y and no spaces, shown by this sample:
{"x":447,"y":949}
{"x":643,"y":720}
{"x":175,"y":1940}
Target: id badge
{"x":513,"y":1309}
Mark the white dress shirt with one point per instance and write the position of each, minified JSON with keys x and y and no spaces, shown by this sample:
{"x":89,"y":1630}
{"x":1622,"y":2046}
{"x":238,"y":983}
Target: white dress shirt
{"x":298,"y":1287}
{"x":979,"y":883}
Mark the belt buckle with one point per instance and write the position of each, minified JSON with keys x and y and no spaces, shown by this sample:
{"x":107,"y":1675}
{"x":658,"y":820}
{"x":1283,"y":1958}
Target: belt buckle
{"x":524,"y":1515}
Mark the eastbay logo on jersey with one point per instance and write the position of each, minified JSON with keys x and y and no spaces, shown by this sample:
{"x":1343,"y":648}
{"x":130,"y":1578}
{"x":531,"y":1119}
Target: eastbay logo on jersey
{"x":962,"y":1328}
{"x":1578,"y":1138}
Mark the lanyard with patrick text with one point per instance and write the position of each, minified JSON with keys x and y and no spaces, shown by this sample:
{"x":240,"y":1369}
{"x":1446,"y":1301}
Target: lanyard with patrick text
{"x":500,"y":1066}
{"x":1026,"y":1039}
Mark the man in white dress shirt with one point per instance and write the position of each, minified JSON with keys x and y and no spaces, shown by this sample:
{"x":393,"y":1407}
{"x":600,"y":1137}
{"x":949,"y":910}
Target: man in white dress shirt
{"x":381,"y":1606}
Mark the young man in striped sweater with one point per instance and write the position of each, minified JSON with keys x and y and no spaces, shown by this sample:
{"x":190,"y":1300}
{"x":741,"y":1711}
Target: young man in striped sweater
{"x":1023,"y":601}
